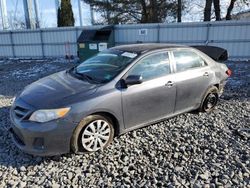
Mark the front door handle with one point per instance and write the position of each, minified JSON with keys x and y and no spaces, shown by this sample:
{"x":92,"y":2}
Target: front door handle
{"x":206,"y":74}
{"x":169,"y":84}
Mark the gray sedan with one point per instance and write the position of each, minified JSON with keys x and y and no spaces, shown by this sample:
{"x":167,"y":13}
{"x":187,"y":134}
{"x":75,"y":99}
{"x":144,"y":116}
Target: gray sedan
{"x":117,"y":90}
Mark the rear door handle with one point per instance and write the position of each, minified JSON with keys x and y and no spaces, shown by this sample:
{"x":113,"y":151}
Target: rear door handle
{"x":169,"y":84}
{"x":206,"y":74}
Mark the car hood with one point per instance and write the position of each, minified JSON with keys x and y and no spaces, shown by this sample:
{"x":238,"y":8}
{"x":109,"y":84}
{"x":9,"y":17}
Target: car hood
{"x":56,"y":90}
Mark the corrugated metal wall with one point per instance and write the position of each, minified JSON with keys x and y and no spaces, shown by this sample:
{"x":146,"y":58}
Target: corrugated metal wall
{"x":232,"y":35}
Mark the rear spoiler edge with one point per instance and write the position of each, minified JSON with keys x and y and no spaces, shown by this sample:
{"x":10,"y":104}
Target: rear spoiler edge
{"x":216,"y":53}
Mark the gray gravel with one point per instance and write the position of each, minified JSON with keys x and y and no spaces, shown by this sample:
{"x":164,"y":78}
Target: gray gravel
{"x":190,"y":150}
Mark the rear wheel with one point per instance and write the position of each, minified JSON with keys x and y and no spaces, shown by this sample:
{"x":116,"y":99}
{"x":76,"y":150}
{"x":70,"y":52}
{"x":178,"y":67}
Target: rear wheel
{"x":210,"y":100}
{"x":92,"y":134}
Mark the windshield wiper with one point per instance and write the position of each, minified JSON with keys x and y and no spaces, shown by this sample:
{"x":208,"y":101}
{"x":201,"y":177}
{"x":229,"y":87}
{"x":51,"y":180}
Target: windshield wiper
{"x":85,"y":76}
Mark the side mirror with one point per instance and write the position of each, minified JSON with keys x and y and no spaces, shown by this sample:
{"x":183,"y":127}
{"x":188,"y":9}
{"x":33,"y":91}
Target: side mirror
{"x":133,"y":80}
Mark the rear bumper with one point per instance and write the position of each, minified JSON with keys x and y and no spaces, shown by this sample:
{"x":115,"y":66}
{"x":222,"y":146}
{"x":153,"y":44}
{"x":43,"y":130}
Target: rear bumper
{"x":42,"y":139}
{"x":221,"y":87}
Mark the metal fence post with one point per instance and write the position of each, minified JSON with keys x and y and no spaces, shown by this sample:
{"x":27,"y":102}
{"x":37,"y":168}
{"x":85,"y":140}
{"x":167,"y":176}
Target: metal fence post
{"x":12,"y":44}
{"x":76,"y":47}
{"x":114,"y":34}
{"x":42,"y":42}
{"x":208,"y":34}
{"x":158,"y":33}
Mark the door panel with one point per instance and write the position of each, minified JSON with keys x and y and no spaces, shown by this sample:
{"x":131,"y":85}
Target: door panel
{"x":192,"y":79}
{"x":148,"y":101}
{"x":154,"y":98}
{"x":190,"y":86}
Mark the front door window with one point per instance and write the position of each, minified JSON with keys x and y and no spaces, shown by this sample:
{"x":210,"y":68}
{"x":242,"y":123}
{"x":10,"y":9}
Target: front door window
{"x":152,"y":66}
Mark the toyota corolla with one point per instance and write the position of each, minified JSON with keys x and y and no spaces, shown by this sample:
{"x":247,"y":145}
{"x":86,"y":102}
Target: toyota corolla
{"x":115,"y":91}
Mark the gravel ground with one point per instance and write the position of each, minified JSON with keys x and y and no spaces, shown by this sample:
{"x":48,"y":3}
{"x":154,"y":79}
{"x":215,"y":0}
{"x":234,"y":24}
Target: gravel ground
{"x":190,"y":150}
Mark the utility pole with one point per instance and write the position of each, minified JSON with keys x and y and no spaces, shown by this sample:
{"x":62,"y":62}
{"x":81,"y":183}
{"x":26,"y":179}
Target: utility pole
{"x":179,"y":11}
{"x":80,"y":11}
{"x":27,"y":5}
{"x":36,"y":5}
{"x":4,"y":14}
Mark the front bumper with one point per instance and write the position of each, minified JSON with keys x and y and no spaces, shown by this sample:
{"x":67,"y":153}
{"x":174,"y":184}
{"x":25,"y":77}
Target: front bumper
{"x":42,"y":139}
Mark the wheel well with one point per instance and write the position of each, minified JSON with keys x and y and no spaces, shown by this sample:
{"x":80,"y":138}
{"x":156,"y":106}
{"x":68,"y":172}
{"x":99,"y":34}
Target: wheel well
{"x":113,"y":118}
{"x":217,"y":85}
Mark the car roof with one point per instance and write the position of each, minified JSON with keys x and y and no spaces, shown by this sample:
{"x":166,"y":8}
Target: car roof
{"x":146,"y":47}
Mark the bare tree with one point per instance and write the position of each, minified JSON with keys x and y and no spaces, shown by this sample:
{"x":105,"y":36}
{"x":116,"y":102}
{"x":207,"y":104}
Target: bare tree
{"x":217,"y":10}
{"x":179,"y":9}
{"x":232,"y":5}
{"x":134,"y":11}
{"x":207,"y":10}
{"x":16,"y":21}
{"x":229,"y":10}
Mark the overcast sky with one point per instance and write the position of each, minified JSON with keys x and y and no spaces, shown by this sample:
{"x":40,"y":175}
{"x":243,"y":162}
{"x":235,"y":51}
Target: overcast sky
{"x":194,"y":11}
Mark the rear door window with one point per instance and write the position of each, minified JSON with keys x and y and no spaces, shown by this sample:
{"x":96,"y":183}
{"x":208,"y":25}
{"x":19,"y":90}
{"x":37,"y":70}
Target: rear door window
{"x":185,"y":59}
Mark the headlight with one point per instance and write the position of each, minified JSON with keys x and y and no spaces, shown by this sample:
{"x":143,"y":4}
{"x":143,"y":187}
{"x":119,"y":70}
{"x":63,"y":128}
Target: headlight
{"x":48,"y":115}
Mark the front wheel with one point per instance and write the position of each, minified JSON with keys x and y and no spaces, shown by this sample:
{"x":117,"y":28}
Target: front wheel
{"x":210,"y":100}
{"x":95,"y":132}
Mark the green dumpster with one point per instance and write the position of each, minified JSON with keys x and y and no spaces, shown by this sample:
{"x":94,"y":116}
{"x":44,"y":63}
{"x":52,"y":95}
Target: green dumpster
{"x":92,"y":41}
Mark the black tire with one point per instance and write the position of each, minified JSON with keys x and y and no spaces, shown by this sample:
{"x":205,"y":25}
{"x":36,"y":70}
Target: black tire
{"x":209,"y":100}
{"x":76,"y":143}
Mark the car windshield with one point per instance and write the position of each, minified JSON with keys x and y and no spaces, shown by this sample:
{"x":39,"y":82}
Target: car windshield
{"x":105,"y":66}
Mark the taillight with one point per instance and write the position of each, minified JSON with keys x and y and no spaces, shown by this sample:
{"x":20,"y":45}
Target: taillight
{"x":229,"y":72}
